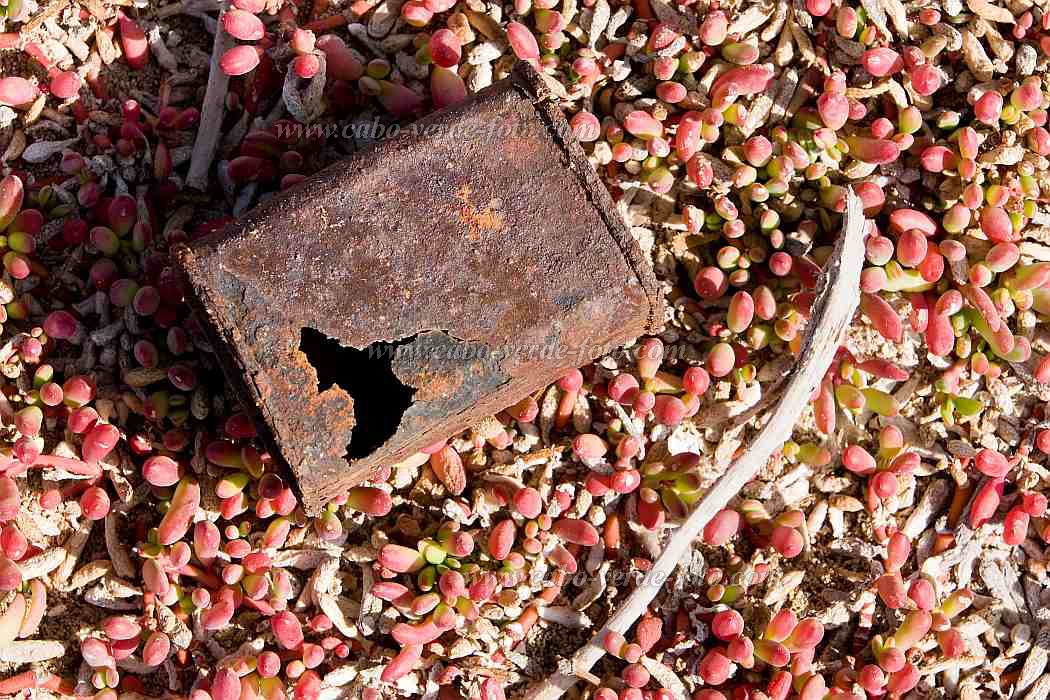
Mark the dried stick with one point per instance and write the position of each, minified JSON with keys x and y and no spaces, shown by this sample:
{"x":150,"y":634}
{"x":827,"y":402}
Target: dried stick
{"x":832,"y":312}
{"x":210,"y":128}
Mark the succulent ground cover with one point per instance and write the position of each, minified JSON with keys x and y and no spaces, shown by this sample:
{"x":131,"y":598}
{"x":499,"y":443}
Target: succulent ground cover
{"x":895,"y":546}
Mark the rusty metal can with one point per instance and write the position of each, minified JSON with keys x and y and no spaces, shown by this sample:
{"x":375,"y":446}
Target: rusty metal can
{"x":424,"y":283}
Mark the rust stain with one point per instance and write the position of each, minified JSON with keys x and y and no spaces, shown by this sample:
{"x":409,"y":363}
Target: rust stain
{"x":434,"y":386}
{"x":477,"y":220}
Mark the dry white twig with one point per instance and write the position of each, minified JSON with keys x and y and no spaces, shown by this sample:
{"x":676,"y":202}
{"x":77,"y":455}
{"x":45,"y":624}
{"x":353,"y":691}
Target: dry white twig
{"x":118,"y":553}
{"x":209,"y":130}
{"x":28,"y":651}
{"x":832,"y":313}
{"x":73,"y":548}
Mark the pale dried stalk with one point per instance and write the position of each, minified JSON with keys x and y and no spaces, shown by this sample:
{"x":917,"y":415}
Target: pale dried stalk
{"x":667,"y":678}
{"x":73,"y":548}
{"x":31,"y":651}
{"x":832,"y":313}
{"x":209,"y":130}
{"x":118,"y":553}
{"x":89,"y":573}
{"x":42,"y":564}
{"x":1035,"y":663}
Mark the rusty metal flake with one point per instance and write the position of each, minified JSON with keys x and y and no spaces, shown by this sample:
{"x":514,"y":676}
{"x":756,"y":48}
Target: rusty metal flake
{"x":424,"y":283}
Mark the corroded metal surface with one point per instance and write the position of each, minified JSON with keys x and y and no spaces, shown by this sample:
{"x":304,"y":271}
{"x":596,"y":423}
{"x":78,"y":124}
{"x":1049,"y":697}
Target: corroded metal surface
{"x":468,"y":261}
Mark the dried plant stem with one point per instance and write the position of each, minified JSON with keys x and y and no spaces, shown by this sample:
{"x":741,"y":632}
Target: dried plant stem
{"x":832,"y":313}
{"x":52,"y":9}
{"x":212,"y":112}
